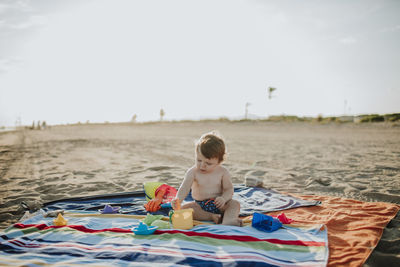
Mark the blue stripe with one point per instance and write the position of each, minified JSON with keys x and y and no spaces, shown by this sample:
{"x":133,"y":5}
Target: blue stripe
{"x":126,"y":256}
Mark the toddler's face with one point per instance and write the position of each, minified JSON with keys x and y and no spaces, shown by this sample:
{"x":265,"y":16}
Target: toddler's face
{"x":205,"y":165}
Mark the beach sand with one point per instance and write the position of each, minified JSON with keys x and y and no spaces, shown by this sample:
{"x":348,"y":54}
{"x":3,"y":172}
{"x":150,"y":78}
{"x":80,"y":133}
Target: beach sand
{"x":360,"y":161}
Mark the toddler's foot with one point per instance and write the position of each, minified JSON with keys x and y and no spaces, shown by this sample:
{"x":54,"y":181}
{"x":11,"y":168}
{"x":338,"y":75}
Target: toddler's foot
{"x":239,"y":222}
{"x":217,"y":218}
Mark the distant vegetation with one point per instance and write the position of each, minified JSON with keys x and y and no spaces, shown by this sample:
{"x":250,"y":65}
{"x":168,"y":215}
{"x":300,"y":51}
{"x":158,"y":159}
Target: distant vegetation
{"x":378,"y":118}
{"x":394,"y":117}
{"x":319,"y":119}
{"x":368,"y":118}
{"x":340,"y":119}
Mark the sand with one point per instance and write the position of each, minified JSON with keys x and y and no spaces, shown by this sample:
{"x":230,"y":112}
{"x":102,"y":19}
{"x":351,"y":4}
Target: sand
{"x":360,"y":161}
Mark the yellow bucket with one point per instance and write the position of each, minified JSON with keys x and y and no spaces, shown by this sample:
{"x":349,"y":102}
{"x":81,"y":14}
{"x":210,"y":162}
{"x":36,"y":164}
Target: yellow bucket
{"x":182,"y":219}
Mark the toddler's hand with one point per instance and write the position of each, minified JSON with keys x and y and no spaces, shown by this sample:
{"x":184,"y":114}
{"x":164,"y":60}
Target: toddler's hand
{"x":176,"y":204}
{"x":219,"y":202}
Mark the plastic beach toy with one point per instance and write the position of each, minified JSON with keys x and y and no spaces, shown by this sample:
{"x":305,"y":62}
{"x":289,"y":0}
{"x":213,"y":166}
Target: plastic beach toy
{"x":166,"y":205}
{"x":158,"y":194}
{"x":143,"y":229}
{"x":150,"y":218}
{"x":265,"y":223}
{"x":283,"y":219}
{"x":109,"y":209}
{"x":181,"y":218}
{"x":161,"y":224}
{"x":60,"y":221}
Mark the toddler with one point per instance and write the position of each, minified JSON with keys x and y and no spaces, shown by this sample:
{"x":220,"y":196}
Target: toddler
{"x":210,"y":183}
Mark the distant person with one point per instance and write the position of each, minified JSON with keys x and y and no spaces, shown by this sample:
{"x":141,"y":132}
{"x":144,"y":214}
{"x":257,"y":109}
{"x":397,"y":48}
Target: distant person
{"x":210,"y":183}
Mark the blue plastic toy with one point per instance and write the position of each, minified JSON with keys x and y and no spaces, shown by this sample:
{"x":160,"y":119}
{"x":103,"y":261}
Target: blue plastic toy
{"x":265,"y":223}
{"x":109,"y":209}
{"x":143,"y":229}
{"x":166,"y":205}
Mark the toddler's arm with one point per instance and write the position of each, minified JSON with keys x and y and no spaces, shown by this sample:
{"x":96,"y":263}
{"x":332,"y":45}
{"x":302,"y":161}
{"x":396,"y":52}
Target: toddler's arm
{"x":186,"y":185}
{"x":227,"y":186}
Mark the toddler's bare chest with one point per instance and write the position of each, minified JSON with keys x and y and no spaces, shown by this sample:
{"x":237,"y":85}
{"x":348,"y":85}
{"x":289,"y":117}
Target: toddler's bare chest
{"x":214,"y":181}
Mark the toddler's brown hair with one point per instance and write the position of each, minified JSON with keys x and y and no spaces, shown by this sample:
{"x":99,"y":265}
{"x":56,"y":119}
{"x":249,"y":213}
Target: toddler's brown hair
{"x":211,"y":145}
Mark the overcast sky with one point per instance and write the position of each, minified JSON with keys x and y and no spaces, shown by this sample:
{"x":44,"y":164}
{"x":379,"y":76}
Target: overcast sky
{"x":106,"y":60}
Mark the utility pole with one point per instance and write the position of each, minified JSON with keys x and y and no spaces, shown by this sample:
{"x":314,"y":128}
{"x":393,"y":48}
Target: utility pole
{"x":246,"y":110}
{"x":162,"y":114}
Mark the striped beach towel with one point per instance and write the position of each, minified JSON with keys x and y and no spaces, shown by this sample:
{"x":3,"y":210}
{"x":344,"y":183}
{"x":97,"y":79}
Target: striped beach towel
{"x":107,"y":240}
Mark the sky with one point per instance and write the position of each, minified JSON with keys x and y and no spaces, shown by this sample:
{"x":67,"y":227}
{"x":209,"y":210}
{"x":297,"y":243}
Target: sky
{"x":108,"y":60}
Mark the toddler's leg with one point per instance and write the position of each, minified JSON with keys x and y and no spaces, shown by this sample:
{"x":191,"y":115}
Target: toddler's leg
{"x":202,"y":215}
{"x":231,"y":213}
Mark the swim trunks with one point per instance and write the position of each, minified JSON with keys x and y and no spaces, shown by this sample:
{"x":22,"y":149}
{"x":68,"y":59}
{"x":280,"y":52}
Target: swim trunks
{"x":208,"y":205}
